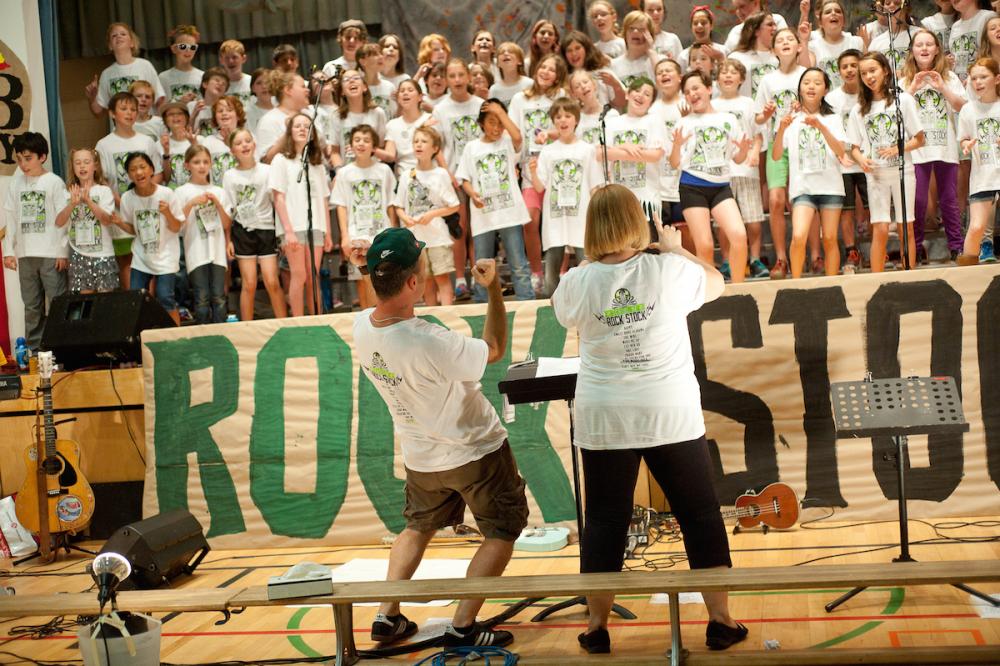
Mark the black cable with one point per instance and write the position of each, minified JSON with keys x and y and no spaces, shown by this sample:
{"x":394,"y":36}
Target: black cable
{"x":39,"y":662}
{"x":121,"y":404}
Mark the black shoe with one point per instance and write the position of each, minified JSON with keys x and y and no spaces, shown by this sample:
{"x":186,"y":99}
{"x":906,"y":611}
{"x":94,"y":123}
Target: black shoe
{"x":476,"y":636}
{"x":596,"y":642}
{"x":392,"y":628}
{"x":719,"y":636}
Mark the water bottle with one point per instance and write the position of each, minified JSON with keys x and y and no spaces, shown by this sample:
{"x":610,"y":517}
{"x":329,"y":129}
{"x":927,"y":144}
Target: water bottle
{"x":231,"y":317}
{"x":21,"y":353}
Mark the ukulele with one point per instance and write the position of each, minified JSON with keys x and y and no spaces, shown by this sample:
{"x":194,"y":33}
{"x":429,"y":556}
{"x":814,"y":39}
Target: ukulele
{"x":776,"y":506}
{"x":55,"y":497}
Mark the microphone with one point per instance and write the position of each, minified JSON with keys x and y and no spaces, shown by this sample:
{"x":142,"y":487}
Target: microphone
{"x":604,"y":112}
{"x":108,"y":570}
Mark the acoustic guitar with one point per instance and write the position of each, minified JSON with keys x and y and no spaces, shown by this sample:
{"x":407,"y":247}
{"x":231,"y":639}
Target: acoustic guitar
{"x":776,"y":506}
{"x":55,"y":497}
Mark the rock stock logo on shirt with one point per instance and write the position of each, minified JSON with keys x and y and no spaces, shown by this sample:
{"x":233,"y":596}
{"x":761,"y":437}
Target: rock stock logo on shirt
{"x":381,"y":373}
{"x":15,"y":105}
{"x":881,"y":130}
{"x":757,"y":73}
{"x":493,"y":170}
{"x":933,"y":116}
{"x":624,"y":310}
{"x":567,"y":179}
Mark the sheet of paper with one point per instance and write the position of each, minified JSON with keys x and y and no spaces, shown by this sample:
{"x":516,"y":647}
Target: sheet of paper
{"x":554,"y":367}
{"x":683,"y":597}
{"x":984,"y":609}
{"x":363,"y":569}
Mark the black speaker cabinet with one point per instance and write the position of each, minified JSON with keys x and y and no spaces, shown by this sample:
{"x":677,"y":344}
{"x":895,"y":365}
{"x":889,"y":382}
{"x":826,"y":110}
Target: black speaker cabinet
{"x":159,"y":548}
{"x":95,"y":329}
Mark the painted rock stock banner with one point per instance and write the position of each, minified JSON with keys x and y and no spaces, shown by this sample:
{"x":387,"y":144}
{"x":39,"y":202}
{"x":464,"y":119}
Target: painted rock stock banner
{"x":269,"y":435}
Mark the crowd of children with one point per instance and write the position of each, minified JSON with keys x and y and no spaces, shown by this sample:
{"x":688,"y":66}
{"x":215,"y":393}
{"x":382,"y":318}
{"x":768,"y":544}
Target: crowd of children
{"x":493,"y":149}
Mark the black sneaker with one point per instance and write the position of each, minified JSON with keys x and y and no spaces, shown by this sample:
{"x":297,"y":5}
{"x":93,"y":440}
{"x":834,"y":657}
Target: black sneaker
{"x":596,"y":642}
{"x":392,"y":628}
{"x":476,"y":636}
{"x":719,"y":636}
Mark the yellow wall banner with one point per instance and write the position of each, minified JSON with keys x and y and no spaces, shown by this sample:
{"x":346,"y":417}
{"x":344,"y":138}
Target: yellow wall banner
{"x":267,"y":432}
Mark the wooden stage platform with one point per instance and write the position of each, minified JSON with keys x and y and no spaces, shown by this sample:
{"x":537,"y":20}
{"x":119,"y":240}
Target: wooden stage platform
{"x":878,"y":618}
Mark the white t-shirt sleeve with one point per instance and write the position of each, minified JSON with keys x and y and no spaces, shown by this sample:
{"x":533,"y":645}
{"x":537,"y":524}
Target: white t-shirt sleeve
{"x":341,"y":194}
{"x":446,"y":192}
{"x":562,"y":298}
{"x":276,"y":177}
{"x":464,"y":170}
{"x":458,"y":357}
{"x":686,"y":280}
{"x":911,"y":117}
{"x":854,"y":131}
{"x":544,"y":165}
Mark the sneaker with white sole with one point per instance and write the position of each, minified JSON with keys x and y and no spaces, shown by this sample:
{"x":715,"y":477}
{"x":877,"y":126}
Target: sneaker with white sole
{"x":476,"y":636}
{"x":986,"y":255}
{"x":758,"y":269}
{"x":392,"y":628}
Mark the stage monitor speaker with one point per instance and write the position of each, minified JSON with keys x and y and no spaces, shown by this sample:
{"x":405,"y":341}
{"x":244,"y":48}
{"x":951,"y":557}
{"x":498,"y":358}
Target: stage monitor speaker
{"x":96,"y":329}
{"x":159,"y":548}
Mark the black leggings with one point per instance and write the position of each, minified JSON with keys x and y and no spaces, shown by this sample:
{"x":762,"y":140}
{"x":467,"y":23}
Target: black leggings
{"x":683,"y":471}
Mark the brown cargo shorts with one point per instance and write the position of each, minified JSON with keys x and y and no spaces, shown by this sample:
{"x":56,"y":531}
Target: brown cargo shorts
{"x":491,"y":487}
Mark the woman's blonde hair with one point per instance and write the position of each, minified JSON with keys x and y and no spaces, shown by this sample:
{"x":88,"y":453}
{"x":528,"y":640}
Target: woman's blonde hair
{"x":615,"y":222}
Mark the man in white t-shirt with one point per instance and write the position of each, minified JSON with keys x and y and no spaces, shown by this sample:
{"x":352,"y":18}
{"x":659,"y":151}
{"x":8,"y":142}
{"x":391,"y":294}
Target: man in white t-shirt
{"x":455,"y":450}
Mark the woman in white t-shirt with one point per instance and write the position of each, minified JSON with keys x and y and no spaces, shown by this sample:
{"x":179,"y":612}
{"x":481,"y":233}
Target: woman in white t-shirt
{"x":979,"y":135}
{"x":92,"y":265}
{"x":251,"y":238}
{"x":939,"y":95}
{"x":293,"y":203}
{"x":872,"y":133}
{"x":814,"y":140}
{"x":637,"y":397}
{"x":151,"y":214}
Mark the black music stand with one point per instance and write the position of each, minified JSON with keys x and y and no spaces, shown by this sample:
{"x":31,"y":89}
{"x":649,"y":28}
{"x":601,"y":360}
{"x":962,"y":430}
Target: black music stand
{"x":899,"y":408}
{"x":521,"y":386}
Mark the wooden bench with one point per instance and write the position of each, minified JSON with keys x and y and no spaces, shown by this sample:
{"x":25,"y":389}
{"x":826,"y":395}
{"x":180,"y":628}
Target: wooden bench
{"x":670,"y":582}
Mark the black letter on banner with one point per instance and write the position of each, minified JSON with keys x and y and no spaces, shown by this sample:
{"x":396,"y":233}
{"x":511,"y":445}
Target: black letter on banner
{"x":989,"y":374}
{"x":740,"y":406}
{"x":937,"y":481}
{"x":14,"y":92}
{"x":809,"y":310}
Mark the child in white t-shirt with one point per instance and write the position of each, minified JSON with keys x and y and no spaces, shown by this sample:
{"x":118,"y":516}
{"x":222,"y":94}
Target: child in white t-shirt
{"x":227,"y":116}
{"x":206,"y":236}
{"x":705,"y":143}
{"x":252,"y":237}
{"x":872,"y":133}
{"x":232,"y":57}
{"x":362,"y":196}
{"x":566,"y":171}
{"x":510,"y":62}
{"x":814,"y":138}
{"x":175,"y":143}
{"x":979,"y":134}
{"x":843,"y":99}
{"x":356,"y":108}
{"x":150,"y":213}
{"x":145,"y":122}
{"x":744,"y":178}
{"x":35,"y":245}
{"x":300,"y":204}
{"x":182,"y":82}
{"x":114,"y":149}
{"x":127,"y":67}
{"x":424,"y":197}
{"x":487,"y":174}
{"x":635,"y":147}
{"x":89,"y":214}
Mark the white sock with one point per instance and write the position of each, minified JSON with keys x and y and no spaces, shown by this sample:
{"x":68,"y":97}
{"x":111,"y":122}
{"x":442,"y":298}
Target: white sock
{"x":460,"y":281}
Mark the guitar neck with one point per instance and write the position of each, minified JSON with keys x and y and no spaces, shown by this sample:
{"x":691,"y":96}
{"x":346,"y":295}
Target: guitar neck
{"x":45,"y":386}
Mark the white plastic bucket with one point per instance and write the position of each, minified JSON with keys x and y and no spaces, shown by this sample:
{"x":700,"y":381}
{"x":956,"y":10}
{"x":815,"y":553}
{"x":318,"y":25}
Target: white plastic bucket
{"x":145,"y":643}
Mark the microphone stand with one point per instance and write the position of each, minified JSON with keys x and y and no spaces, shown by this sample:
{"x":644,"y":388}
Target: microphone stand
{"x":904,"y":251}
{"x":309,"y":201}
{"x":604,"y":142}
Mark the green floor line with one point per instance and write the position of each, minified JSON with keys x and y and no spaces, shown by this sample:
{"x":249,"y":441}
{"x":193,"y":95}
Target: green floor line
{"x":896,"y":595}
{"x":298,"y":642}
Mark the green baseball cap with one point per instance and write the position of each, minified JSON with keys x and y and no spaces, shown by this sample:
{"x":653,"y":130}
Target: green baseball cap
{"x":395,"y":244}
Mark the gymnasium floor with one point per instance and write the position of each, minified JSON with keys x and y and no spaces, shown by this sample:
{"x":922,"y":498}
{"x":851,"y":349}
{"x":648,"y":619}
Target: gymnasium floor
{"x":879,"y":617}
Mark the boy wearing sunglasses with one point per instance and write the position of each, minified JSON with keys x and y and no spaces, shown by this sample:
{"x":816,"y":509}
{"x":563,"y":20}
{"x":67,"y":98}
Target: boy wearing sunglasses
{"x":182,"y":82}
